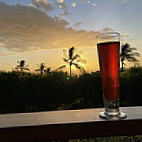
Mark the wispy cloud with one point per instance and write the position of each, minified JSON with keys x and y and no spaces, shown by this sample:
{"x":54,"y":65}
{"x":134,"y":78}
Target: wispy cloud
{"x":73,"y":4}
{"x":107,"y":29}
{"x":60,"y":1}
{"x":93,"y":4}
{"x":77,"y":24}
{"x":48,"y":5}
{"x":127,"y":34}
{"x":31,"y":5}
{"x":125,"y":1}
{"x":44,"y":4}
{"x":27,"y":28}
{"x":88,"y":1}
{"x":64,"y":8}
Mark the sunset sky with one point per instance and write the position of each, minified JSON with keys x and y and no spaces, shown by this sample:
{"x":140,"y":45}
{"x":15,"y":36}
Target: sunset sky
{"x":37,"y":31}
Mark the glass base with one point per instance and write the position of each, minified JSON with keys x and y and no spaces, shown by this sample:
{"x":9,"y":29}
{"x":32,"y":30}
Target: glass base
{"x":119,"y":116}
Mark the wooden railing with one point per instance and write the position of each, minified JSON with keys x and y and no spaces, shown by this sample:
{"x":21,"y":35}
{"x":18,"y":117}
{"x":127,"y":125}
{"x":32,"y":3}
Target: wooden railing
{"x":68,"y":124}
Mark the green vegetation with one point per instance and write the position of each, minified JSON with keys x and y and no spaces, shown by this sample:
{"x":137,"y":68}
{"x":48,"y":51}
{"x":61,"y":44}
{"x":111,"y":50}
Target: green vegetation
{"x":29,"y":92}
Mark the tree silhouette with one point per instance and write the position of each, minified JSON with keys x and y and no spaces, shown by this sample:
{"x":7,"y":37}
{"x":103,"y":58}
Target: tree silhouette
{"x":41,"y":68}
{"x":21,"y":65}
{"x":48,"y":70}
{"x":73,"y":59}
{"x":127,"y":53}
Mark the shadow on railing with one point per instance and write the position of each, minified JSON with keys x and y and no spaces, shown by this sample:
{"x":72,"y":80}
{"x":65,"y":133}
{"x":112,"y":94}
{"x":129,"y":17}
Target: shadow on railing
{"x":68,"y":124}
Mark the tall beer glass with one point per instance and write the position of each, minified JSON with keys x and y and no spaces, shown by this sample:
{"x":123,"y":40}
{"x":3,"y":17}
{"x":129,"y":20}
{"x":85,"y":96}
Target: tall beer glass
{"x":108,"y":51}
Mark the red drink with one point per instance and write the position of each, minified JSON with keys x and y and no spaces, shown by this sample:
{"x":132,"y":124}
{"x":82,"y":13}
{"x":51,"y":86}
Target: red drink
{"x":109,"y":65}
{"x":108,"y":51}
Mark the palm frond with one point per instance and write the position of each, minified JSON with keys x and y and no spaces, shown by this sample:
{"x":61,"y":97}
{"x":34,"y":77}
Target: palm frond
{"x":17,"y":66}
{"x":59,"y":68}
{"x":128,"y":53}
{"x":66,"y":60}
{"x":79,"y":67}
{"x":37,"y":70}
{"x":136,"y":54}
{"x":26,"y":69}
{"x":48,"y":70}
{"x":133,"y":49}
{"x":131,"y":59}
{"x":75,"y":57}
{"x":81,"y":61}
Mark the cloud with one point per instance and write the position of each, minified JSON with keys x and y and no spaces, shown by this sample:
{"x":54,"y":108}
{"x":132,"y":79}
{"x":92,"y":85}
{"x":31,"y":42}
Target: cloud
{"x":47,"y":6}
{"x":42,"y":4}
{"x":77,"y":24}
{"x":73,"y":4}
{"x":25,"y":29}
{"x":107,"y":29}
{"x":31,"y":5}
{"x":60,"y":1}
{"x":88,"y":1}
{"x":127,"y":34}
{"x":65,"y":13}
{"x":62,"y":6}
{"x":93,"y":4}
{"x":125,"y":1}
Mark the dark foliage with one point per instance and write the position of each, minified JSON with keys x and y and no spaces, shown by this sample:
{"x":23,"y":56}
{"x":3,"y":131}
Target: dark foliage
{"x":130,"y":87}
{"x":27,"y":92}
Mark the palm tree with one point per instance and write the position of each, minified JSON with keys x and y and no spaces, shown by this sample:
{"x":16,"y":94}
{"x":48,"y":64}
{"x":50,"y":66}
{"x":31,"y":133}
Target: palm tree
{"x":21,"y":65}
{"x":127,"y":53}
{"x":73,"y":59}
{"x":41,"y":68}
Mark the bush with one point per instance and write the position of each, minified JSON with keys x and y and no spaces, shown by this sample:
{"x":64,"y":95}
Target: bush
{"x":29,"y":92}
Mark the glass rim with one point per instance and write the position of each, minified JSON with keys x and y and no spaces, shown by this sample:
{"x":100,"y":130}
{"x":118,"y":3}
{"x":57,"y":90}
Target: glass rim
{"x":110,"y":34}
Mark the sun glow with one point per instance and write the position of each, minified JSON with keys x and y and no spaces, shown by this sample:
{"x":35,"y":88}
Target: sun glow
{"x":54,"y":26}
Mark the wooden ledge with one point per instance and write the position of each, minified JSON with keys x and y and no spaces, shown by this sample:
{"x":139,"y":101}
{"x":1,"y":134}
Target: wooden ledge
{"x":68,"y":124}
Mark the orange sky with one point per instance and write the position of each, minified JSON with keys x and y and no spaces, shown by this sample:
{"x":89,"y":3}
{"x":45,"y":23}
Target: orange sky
{"x":52,"y":58}
{"x":38,"y":31}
